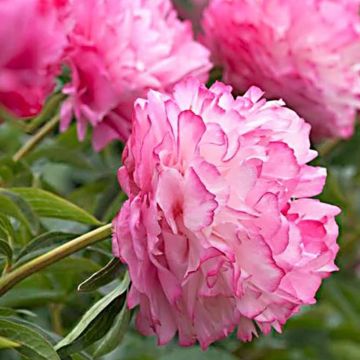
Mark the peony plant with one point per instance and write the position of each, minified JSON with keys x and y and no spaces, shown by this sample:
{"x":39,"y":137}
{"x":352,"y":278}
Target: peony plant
{"x":170,"y":194}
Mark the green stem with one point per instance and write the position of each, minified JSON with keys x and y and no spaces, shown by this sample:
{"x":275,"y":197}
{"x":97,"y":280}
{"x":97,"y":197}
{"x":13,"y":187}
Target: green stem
{"x":41,"y":262}
{"x":37,"y":138}
{"x":328,"y":146}
{"x":48,"y":112}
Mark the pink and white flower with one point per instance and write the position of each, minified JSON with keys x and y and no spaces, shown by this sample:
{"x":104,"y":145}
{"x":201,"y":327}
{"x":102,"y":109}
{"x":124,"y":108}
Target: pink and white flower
{"x":119,"y":49}
{"x":306,"y":52}
{"x":32,"y":42}
{"x":220,"y":231}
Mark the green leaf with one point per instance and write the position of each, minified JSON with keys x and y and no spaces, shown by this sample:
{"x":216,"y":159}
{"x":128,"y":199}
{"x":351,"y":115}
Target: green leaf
{"x":104,"y":276}
{"x":31,"y":344}
{"x":13,"y":173}
{"x":7,"y":344}
{"x":116,"y":334}
{"x":31,"y":297}
{"x":6,"y":312}
{"x":46,"y":204}
{"x":25,"y":209}
{"x":60,"y":154}
{"x":5,"y":250}
{"x":96,"y":321}
{"x":6,"y":229}
{"x":14,"y":206}
{"x":42,"y":243}
{"x":81,"y":356}
{"x":78,"y":356}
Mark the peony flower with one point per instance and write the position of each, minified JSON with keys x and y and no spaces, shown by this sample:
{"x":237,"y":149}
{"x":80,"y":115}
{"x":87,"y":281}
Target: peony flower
{"x":192,"y":10}
{"x":130,"y":46}
{"x":220,"y":231}
{"x":306,"y":52}
{"x":29,"y":62}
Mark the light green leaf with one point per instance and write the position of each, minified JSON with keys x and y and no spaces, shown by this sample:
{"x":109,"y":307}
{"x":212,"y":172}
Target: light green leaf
{"x":31,"y":344}
{"x":95,"y":323}
{"x":46,"y":204}
{"x":7,"y":343}
{"x":102,"y":277}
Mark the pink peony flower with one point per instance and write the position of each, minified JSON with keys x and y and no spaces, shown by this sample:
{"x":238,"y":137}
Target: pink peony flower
{"x":130,"y":46}
{"x":32,"y":42}
{"x":306,"y":52}
{"x":219,"y":230}
{"x":192,"y":10}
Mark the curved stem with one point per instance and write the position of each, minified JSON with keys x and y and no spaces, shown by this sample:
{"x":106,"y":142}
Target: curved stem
{"x":39,"y":263}
{"x":328,"y":146}
{"x":48,"y":111}
{"x":37,"y":138}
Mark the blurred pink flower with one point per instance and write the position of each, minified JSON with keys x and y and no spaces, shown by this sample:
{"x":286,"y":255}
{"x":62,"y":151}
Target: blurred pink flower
{"x":118,"y":51}
{"x":219,"y":230}
{"x":306,"y":52}
{"x":32,"y":42}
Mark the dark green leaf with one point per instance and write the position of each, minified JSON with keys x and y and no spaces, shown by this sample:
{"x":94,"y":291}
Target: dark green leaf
{"x":95,"y":323}
{"x":32,"y":345}
{"x":30,"y":297}
{"x":104,"y":276}
{"x":14,"y":173}
{"x":5,"y":250}
{"x":25,"y":208}
{"x":7,"y":312}
{"x":46,"y":204}
{"x":6,"y":229}
{"x":60,"y":154}
{"x":42,"y":243}
{"x":115,"y":335}
{"x":16,"y":207}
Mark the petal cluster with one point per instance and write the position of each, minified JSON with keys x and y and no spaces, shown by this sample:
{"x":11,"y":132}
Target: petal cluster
{"x":32,"y":43}
{"x":306,"y":52}
{"x":220,"y":231}
{"x":130,"y":46}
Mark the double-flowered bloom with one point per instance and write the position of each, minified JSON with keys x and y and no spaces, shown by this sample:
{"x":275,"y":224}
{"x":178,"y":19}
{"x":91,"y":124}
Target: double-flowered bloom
{"x":306,"y":52}
{"x":118,"y":50}
{"x":220,"y":231}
